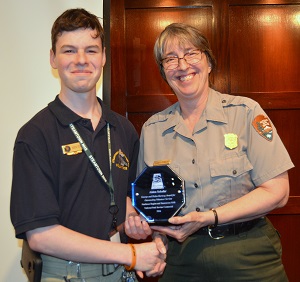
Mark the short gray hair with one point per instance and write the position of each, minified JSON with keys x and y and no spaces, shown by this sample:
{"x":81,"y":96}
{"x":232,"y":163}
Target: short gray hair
{"x":183,"y":33}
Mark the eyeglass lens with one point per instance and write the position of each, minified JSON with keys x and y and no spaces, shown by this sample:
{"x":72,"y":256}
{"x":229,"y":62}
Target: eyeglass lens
{"x":192,"y":57}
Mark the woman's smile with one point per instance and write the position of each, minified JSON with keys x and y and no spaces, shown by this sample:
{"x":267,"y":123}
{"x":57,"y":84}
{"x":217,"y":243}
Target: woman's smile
{"x":186,"y":77}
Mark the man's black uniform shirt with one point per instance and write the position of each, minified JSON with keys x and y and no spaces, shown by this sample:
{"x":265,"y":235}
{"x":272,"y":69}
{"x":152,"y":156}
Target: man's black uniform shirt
{"x":50,"y":187}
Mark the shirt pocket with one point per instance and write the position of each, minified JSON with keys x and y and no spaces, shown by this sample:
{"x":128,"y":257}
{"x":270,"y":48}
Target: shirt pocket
{"x":231,"y":178}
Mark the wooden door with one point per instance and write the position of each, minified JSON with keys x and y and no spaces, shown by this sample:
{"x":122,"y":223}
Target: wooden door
{"x":257,"y":47}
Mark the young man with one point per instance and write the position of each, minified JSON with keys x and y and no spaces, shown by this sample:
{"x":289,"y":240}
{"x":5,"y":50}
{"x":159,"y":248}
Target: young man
{"x":72,"y":168}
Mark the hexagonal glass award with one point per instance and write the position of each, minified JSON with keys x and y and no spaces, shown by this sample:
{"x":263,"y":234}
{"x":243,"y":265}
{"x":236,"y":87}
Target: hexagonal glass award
{"x":158,"y":193}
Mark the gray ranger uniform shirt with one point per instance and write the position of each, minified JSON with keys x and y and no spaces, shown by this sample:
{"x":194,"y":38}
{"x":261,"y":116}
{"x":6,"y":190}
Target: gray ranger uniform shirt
{"x":234,"y":148}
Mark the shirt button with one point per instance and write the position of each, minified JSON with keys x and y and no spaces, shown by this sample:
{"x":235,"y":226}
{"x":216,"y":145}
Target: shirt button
{"x":193,"y":161}
{"x":196,"y":185}
{"x":234,"y":172}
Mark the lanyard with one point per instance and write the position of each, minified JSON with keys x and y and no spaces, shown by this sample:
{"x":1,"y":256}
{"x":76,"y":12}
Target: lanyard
{"x":113,"y":208}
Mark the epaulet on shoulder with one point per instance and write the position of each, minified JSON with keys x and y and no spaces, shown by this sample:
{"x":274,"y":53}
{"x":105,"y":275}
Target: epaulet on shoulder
{"x":160,"y":116}
{"x":156,"y":118}
{"x":232,"y":100}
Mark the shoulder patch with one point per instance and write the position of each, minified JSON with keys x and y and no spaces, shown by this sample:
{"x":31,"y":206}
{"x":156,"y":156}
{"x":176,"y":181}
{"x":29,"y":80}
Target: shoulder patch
{"x":263,"y":127}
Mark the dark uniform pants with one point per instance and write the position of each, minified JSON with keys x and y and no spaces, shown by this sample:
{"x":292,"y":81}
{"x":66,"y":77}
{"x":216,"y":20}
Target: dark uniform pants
{"x":254,"y":255}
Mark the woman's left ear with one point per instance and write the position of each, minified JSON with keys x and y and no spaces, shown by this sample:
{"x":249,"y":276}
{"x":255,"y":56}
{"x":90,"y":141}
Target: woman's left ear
{"x":209,"y":67}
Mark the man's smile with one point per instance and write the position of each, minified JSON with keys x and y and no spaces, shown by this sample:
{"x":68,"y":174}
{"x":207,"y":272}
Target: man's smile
{"x":81,"y":71}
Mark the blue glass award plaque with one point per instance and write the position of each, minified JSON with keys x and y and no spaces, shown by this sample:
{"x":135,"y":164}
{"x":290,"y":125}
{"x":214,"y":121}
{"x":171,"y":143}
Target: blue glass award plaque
{"x":158,"y":193}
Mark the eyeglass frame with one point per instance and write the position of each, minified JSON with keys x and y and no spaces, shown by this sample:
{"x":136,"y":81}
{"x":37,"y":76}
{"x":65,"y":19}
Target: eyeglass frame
{"x":178,"y":59}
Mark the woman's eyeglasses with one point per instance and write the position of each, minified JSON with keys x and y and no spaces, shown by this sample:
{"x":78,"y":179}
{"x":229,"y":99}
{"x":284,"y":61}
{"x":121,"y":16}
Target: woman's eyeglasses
{"x":172,"y":62}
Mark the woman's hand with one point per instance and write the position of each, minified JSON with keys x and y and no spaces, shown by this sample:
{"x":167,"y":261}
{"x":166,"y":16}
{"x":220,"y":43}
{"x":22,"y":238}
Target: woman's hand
{"x":183,"y":226}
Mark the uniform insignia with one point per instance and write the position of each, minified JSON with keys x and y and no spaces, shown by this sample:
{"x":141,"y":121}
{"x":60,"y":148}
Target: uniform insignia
{"x":161,"y":162}
{"x":72,"y":149}
{"x":120,"y":160}
{"x":263,"y":126}
{"x":231,"y":140}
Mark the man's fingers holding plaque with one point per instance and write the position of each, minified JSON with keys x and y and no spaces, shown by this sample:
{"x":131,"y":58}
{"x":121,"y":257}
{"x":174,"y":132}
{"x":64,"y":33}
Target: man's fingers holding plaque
{"x":136,"y":227}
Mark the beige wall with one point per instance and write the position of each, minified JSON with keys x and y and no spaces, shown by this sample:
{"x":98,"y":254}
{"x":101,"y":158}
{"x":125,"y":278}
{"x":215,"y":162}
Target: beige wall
{"x":27,"y":85}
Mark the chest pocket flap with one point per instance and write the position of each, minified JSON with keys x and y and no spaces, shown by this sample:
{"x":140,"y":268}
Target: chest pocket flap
{"x":233,"y":166}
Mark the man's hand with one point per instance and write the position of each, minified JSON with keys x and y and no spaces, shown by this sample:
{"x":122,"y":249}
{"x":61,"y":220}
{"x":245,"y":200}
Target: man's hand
{"x":149,"y":259}
{"x":136,"y":227}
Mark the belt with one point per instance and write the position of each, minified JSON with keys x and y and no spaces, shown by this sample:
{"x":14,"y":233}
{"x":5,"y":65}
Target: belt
{"x":221,"y":231}
{"x":52,"y":265}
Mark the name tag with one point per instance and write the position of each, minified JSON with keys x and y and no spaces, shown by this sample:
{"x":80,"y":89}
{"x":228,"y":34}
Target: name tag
{"x":72,"y":149}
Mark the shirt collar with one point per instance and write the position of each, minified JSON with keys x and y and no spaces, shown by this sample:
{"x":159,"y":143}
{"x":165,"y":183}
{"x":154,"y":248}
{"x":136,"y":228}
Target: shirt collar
{"x":66,"y":116}
{"x":214,"y":111}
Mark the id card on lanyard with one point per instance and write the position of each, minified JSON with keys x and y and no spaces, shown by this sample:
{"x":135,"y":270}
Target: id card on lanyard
{"x":113,"y":208}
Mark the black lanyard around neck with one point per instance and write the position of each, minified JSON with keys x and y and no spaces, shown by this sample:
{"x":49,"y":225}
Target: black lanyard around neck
{"x":113,"y":208}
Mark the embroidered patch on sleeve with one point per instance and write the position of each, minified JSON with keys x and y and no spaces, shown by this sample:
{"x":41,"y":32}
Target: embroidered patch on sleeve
{"x":263,"y":126}
{"x":120,"y":160}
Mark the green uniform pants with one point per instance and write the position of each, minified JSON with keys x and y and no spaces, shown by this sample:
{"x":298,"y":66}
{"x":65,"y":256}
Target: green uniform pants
{"x":254,"y":255}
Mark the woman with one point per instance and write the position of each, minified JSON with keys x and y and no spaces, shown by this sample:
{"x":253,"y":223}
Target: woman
{"x":233,"y":163}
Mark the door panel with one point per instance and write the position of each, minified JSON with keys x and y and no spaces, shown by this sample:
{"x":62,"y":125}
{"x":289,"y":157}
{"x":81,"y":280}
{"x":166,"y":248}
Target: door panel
{"x":143,"y":77}
{"x":146,"y":91}
{"x":256,"y":44}
{"x":267,"y":38}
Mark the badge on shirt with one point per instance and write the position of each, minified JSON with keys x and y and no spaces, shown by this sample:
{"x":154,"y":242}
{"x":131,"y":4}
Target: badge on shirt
{"x":72,"y":149}
{"x":120,"y":160}
{"x":263,"y":126}
{"x":231,"y":140}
